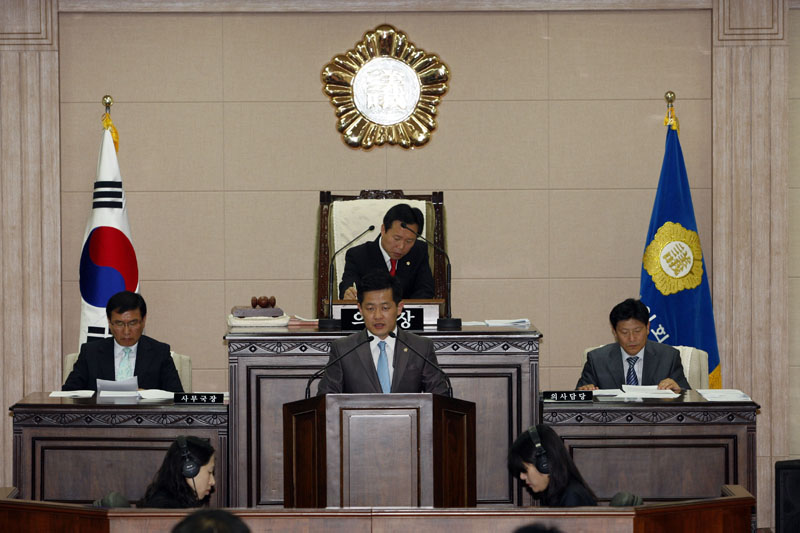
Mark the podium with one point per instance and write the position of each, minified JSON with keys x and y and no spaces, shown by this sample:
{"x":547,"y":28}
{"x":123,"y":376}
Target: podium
{"x":379,"y":450}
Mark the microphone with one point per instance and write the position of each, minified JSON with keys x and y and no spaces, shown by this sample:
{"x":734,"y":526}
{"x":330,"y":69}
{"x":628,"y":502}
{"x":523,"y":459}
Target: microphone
{"x":330,"y":323}
{"x":448,"y":322}
{"x":393,"y":335}
{"x":319,"y":372}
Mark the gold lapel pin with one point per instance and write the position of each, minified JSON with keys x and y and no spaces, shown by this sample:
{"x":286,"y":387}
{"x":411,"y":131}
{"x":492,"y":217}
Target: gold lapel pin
{"x":405,"y":349}
{"x":408,"y":263}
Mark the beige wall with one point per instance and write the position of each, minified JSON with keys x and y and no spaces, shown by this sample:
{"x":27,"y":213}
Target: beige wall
{"x":549,"y":149}
{"x":551,"y":117}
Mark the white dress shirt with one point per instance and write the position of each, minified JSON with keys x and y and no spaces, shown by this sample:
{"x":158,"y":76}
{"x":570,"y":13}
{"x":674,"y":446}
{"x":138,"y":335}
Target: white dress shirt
{"x":118,"y":358}
{"x":638,"y":367}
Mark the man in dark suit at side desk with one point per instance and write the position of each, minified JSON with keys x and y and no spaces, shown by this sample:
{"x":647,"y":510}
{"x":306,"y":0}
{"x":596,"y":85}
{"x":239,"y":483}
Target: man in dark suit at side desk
{"x":632,"y":360}
{"x":397,"y":251}
{"x":128,"y":353}
{"x":382,"y":358}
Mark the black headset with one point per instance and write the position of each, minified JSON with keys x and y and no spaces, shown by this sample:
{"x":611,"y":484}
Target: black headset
{"x":539,"y":453}
{"x":189,"y":465}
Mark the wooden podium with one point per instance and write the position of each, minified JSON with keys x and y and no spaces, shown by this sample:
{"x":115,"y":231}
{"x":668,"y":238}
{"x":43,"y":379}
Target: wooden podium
{"x":379,"y":450}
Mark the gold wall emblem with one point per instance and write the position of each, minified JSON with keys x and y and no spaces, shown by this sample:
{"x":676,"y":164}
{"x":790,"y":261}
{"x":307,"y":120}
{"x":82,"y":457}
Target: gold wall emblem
{"x":385,"y":90}
{"x":674,"y":259}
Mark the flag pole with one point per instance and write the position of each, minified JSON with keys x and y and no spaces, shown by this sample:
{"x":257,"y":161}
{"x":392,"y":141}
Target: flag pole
{"x":108,"y":101}
{"x":670,"y":119}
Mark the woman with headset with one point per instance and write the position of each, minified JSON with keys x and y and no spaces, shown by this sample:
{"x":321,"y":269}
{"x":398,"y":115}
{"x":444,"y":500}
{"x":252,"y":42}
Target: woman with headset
{"x":538,"y":457}
{"x":186,"y":477}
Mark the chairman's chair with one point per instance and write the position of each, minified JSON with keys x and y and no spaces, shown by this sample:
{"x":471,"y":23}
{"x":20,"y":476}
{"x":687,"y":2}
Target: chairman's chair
{"x":694,"y":361}
{"x":343,"y":217}
{"x":183,"y":364}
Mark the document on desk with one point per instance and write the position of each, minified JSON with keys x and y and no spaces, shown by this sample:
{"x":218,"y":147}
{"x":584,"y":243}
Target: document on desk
{"x":118,"y":394}
{"x":72,"y":394}
{"x":156,"y":394}
{"x":125,"y":385}
{"x":645,"y":391}
{"x":724,"y":395}
{"x":607,"y":392}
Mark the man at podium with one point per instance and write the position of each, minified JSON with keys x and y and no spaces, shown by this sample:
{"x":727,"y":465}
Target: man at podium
{"x":382,"y":357}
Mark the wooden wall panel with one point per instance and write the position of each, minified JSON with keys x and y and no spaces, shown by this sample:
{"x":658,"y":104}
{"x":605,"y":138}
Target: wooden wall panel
{"x":750,"y":159}
{"x":30,"y":198}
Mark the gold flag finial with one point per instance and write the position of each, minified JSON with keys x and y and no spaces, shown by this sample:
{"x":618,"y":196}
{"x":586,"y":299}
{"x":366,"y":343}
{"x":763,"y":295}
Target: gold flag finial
{"x":108,"y":101}
{"x":671,"y":119}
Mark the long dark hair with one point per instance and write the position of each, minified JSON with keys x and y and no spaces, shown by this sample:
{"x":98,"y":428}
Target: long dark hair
{"x":562,"y":469}
{"x":169,"y":478}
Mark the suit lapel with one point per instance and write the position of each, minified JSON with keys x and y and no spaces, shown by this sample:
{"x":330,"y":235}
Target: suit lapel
{"x":107,"y":370}
{"x":141,"y":357}
{"x":400,"y":359}
{"x":364,"y":355}
{"x":649,"y":366}
{"x":377,"y":255}
{"x":615,"y":367}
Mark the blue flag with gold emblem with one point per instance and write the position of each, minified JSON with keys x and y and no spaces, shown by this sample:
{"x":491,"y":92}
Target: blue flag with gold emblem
{"x":674,"y":283}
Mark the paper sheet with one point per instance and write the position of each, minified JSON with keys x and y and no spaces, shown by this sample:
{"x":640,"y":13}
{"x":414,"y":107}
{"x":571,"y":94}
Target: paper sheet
{"x":724,"y":395}
{"x":118,"y":394}
{"x":130,"y":384}
{"x":72,"y":394}
{"x":607,"y":392}
{"x":156,"y":394}
{"x":645,"y":391}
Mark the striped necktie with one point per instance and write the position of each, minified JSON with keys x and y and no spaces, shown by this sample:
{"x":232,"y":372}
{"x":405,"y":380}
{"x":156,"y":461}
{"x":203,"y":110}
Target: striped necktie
{"x":631,"y":378}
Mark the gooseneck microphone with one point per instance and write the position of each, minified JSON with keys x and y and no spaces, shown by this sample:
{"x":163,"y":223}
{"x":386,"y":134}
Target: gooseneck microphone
{"x":319,"y":372}
{"x":330,"y":323}
{"x":448,"y":322}
{"x":393,"y":335}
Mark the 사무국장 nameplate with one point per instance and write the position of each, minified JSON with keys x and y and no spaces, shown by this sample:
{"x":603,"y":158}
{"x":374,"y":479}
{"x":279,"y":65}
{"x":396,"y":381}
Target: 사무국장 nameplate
{"x":199,"y":397}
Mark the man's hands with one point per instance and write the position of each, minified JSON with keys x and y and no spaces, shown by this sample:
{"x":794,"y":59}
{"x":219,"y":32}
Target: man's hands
{"x":670,"y":384}
{"x":350,"y":293}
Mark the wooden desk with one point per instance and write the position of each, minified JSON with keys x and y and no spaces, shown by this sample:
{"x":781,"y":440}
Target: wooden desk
{"x":662,"y":450}
{"x":495,"y":368}
{"x":727,"y":514}
{"x":77,"y":450}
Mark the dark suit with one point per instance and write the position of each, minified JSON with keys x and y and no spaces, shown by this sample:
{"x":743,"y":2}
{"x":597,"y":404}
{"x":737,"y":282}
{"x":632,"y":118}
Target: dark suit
{"x":154,"y":366}
{"x":604,"y":366}
{"x":356,"y":372}
{"x":413,"y":269}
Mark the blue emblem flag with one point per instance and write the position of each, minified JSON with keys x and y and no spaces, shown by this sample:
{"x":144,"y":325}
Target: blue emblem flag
{"x":674,"y":283}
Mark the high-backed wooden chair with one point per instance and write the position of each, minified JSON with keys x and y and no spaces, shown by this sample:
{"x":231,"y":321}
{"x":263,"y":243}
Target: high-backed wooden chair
{"x":332,"y":206}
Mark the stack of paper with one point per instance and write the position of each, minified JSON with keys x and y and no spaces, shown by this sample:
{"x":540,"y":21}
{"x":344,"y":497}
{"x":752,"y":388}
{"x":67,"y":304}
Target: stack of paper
{"x":72,"y":394}
{"x":517,"y":322}
{"x":724,"y":395}
{"x":645,"y":391}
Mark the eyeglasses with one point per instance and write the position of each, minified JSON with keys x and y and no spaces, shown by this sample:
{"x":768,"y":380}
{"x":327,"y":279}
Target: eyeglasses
{"x":122,"y":325}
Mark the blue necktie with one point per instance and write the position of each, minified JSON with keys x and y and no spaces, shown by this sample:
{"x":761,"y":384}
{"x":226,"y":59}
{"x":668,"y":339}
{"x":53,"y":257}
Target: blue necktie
{"x":383,"y":368}
{"x":631,"y":378}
